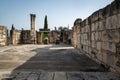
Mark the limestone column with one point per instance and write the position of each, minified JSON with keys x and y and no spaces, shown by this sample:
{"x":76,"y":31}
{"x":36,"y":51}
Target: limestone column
{"x":33,"y":31}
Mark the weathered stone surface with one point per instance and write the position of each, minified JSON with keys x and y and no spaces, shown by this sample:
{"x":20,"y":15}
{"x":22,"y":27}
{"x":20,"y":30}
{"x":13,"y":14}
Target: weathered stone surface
{"x":25,"y":37}
{"x":97,"y":36}
{"x":87,"y":49}
{"x":46,"y":76}
{"x":102,"y":33}
{"x":111,"y":59}
{"x":95,"y":16}
{"x":104,"y":36}
{"x":99,"y":45}
{"x":108,"y":23}
{"x":33,"y":32}
{"x":114,"y":35}
{"x":114,"y":22}
{"x":97,"y":26}
{"x":113,"y":7}
{"x":93,"y":36}
{"x":111,"y":47}
{"x":104,"y":45}
{"x":107,"y":11}
{"x":77,"y":75}
{"x":93,"y":44}
{"x":60,"y":76}
{"x":104,"y":56}
{"x":76,"y":32}
{"x":15,"y":37}
{"x":118,"y":21}
{"x":87,"y":21}
{"x":93,"y":26}
{"x":101,"y":14}
{"x":118,"y":50}
{"x":3,"y":36}
{"x":99,"y":55}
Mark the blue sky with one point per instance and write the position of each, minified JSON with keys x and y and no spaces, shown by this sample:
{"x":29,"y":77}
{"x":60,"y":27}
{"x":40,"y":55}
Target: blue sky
{"x":59,"y":12}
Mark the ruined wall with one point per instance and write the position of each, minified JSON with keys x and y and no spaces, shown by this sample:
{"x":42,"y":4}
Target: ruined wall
{"x":3,"y":36}
{"x":100,"y":35}
{"x":53,"y":36}
{"x":20,"y":37}
{"x":15,"y":37}
{"x":66,"y":36}
{"x":39,"y":38}
{"x":25,"y":37}
{"x":70,"y":37}
{"x":76,"y":33}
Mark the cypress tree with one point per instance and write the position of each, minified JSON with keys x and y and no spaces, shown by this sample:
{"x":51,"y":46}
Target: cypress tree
{"x":12,"y":28}
{"x":45,"y":23}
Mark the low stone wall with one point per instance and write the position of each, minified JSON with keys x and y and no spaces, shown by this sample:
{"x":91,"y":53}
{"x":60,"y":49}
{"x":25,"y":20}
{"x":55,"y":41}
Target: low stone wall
{"x":3,"y":36}
{"x":100,"y":35}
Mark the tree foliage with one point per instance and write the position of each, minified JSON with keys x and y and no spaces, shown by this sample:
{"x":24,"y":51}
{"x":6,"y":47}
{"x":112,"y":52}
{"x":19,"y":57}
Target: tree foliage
{"x":45,"y":23}
{"x":12,"y":28}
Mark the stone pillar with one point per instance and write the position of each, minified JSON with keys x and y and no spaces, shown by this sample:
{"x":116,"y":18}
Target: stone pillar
{"x":33,"y":32}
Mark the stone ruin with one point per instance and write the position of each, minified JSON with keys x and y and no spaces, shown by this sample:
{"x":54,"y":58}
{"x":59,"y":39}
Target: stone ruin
{"x":98,"y":36}
{"x":31,"y":36}
{"x":3,"y":35}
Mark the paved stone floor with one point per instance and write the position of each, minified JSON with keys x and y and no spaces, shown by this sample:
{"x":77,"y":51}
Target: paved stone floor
{"x":49,"y":62}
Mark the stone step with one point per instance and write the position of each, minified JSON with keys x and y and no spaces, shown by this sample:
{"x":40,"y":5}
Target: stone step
{"x":41,"y":75}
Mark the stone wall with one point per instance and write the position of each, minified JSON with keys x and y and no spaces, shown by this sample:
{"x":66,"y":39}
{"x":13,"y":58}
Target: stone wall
{"x":70,"y":37}
{"x":53,"y":36}
{"x":76,"y":33}
{"x":15,"y":37}
{"x":66,"y":36}
{"x":99,"y":36}
{"x":39,"y":38}
{"x":3,"y":36}
{"x":25,"y":37}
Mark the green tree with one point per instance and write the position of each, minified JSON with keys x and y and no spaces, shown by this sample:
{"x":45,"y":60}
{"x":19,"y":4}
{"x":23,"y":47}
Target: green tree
{"x":45,"y":23}
{"x":12,"y":28}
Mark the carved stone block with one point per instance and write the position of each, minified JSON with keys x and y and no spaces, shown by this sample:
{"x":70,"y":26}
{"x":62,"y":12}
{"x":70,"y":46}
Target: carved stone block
{"x":104,"y":45}
{"x":3,"y":36}
{"x":111,"y":47}
{"x":99,"y":45}
{"x":113,"y":7}
{"x":118,"y":49}
{"x":118,"y":21}
{"x":104,"y":36}
{"x":93,"y":27}
{"x":108,"y":23}
{"x":114,"y":22}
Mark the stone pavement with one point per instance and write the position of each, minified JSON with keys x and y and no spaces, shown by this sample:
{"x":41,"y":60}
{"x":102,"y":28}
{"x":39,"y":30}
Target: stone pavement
{"x":22,"y":75}
{"x":49,"y":62}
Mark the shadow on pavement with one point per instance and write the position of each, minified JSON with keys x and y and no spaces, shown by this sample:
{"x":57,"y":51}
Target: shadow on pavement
{"x":56,"y":58}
